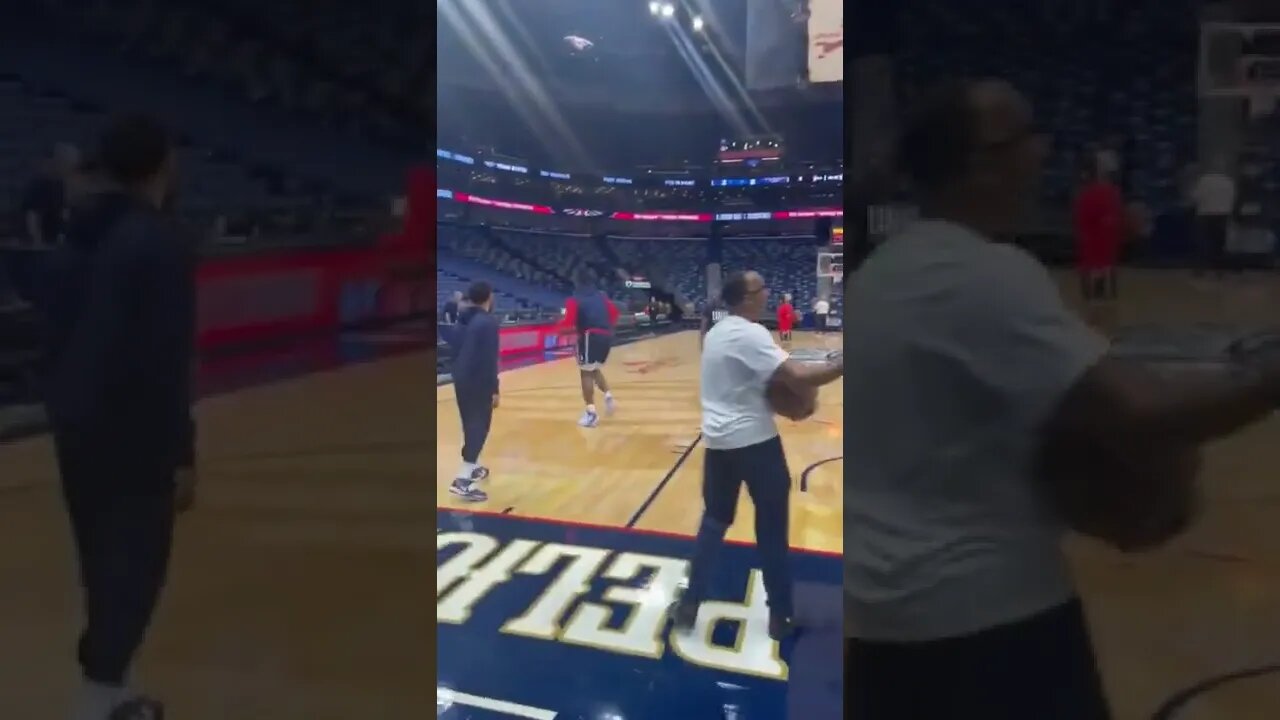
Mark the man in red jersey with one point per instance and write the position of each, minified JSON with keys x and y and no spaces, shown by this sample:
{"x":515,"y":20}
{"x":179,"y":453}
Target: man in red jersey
{"x":786,"y":318}
{"x":593,"y":316}
{"x":1098,"y":216}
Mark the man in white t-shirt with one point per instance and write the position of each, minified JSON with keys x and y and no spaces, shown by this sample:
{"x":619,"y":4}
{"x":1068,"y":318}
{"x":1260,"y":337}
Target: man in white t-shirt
{"x":739,"y":361}
{"x":821,"y":309}
{"x":1214,"y":196}
{"x":968,"y":375}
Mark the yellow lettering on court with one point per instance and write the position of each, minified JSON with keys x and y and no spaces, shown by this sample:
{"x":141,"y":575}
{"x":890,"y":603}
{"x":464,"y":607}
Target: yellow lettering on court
{"x":476,"y":579}
{"x":478,"y":547}
{"x":641,"y":632}
{"x":753,"y":651}
{"x":542,"y":619}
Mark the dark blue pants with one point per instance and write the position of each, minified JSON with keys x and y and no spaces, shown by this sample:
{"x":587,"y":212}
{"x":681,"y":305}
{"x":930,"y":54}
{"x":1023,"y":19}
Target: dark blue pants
{"x":763,"y":469}
{"x":122,"y":515}
{"x":1042,"y":667}
{"x":476,"y":410}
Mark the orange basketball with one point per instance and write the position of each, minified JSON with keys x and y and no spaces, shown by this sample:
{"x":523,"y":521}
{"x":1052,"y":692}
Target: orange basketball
{"x":790,"y":403}
{"x":1101,"y":496}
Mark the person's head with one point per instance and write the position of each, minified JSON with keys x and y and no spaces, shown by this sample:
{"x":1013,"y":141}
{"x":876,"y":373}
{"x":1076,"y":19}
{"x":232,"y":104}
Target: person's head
{"x":745,"y":293}
{"x":457,"y":296}
{"x":136,"y":153}
{"x":786,"y":297}
{"x":480,"y":295}
{"x":971,"y":150}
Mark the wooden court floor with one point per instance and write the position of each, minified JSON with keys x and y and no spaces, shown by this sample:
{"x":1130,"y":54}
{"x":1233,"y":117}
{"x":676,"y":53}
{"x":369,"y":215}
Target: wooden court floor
{"x":1208,"y":605}
{"x":300,"y":585}
{"x":641,"y":468}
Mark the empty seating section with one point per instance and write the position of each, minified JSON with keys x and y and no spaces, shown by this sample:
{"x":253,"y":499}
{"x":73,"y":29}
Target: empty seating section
{"x":540,"y":277}
{"x":1128,"y":74}
{"x":257,"y":130}
{"x":788,"y":266}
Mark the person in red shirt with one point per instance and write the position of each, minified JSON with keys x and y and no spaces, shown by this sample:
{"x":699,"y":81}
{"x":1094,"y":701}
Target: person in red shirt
{"x":1098,"y":217}
{"x":786,"y":318}
{"x":593,"y":316}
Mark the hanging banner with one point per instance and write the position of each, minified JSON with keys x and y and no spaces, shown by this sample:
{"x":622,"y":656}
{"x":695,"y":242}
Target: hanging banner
{"x":826,"y":41}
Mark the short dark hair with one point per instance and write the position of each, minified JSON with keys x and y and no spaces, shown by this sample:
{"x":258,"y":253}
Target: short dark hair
{"x":938,"y":137}
{"x":479,"y":293}
{"x":133,"y":149}
{"x":734,"y":290}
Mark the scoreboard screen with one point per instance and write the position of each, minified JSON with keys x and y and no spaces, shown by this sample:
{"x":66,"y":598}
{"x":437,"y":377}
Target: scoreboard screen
{"x":826,"y":41}
{"x":837,"y":235}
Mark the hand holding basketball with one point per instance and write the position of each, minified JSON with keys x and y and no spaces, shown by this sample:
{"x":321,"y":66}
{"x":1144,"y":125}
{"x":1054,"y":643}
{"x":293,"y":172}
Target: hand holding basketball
{"x":1104,"y":497}
{"x":790,"y":402}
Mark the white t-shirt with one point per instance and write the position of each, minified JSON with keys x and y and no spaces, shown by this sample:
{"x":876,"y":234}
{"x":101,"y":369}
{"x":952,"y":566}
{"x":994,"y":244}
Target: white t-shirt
{"x":1214,"y":194}
{"x":821,"y":307}
{"x":738,"y":358}
{"x":958,"y":349}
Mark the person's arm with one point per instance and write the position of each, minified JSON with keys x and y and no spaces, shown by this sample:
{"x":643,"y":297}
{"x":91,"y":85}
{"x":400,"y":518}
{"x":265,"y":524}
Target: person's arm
{"x":166,"y":345}
{"x":803,"y":376}
{"x":613,"y":311}
{"x":1128,"y":407}
{"x":487,"y":345}
{"x":772,"y":364}
{"x":570,"y":319}
{"x":1012,"y":334}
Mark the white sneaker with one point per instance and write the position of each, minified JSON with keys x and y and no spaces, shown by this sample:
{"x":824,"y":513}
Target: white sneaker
{"x":589,"y":419}
{"x":610,"y":406}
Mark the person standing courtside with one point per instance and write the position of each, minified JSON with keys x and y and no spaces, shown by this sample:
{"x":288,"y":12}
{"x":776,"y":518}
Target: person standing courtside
{"x":121,"y":317}
{"x":1214,"y":195}
{"x":821,"y":309}
{"x":593,"y":316}
{"x":970,"y":381}
{"x":452,"y":306}
{"x":712,"y":312}
{"x":475,"y":382}
{"x":1098,"y":219}
{"x":44,"y":201}
{"x":786,"y":319}
{"x":739,"y":361}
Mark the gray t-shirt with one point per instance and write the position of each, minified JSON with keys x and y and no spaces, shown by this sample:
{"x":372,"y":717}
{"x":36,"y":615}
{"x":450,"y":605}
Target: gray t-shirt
{"x":957,"y":351}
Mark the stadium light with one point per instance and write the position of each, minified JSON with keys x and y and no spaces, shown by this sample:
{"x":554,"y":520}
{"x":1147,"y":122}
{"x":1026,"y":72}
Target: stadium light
{"x":697,"y":23}
{"x":655,"y":7}
{"x":668,"y":11}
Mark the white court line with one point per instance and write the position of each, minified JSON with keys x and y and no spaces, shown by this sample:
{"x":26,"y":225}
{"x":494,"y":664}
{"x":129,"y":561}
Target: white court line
{"x":513,"y":709}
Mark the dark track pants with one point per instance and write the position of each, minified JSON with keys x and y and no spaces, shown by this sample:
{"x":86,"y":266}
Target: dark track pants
{"x":476,"y":409}
{"x":122,"y":518}
{"x":1042,"y":668}
{"x":763,"y":469}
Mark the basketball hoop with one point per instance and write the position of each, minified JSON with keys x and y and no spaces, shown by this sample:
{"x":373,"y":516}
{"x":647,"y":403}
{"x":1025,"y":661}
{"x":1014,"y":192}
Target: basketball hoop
{"x":831,"y":265}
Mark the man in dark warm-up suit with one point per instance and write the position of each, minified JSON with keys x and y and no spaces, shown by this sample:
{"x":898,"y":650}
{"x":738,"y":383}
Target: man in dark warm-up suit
{"x":121,"y":312}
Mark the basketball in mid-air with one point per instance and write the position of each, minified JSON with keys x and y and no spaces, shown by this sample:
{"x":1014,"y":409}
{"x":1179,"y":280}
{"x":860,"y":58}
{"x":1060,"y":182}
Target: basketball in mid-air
{"x":791,"y":403}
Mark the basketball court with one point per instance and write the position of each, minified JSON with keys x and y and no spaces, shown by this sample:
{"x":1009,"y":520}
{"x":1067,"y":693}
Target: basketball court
{"x":552,"y":595}
{"x":299,"y":585}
